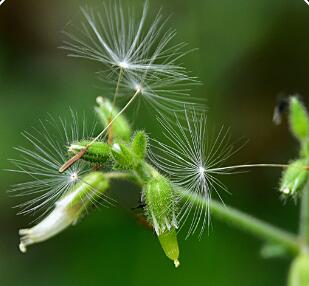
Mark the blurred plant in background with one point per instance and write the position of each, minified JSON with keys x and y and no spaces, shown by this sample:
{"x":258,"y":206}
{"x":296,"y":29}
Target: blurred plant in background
{"x":293,"y":178}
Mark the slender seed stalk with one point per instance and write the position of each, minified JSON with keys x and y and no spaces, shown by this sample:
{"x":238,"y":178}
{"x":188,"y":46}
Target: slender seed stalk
{"x":80,"y":154}
{"x":117,"y":89}
{"x":120,"y":112}
{"x":110,"y":130}
{"x":282,"y":166}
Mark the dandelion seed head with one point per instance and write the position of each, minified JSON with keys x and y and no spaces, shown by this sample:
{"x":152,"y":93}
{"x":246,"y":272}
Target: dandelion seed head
{"x":138,"y":88}
{"x":113,"y":35}
{"x":201,"y":170}
{"x":192,"y":161}
{"x":124,"y":65}
{"x":40,"y":162}
{"x":73,"y":177}
{"x":164,"y":95}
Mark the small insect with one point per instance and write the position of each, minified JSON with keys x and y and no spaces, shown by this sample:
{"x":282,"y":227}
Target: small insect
{"x":281,"y":107}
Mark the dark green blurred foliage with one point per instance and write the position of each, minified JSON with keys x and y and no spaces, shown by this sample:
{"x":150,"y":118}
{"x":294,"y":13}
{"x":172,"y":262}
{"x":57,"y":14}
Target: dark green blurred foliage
{"x":248,"y":53}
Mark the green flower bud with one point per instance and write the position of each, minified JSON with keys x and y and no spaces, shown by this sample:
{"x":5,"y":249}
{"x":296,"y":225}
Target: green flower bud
{"x":299,"y":272}
{"x":130,"y":157}
{"x":98,"y":152}
{"x":294,"y":178}
{"x":121,"y":128}
{"x":169,"y":244}
{"x":123,"y":157}
{"x":299,"y":120}
{"x":139,"y":144}
{"x":68,"y":209}
{"x":161,"y":209}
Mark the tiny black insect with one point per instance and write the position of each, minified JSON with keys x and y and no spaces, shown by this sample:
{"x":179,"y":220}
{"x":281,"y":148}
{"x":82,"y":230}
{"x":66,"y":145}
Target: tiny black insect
{"x":281,"y":107}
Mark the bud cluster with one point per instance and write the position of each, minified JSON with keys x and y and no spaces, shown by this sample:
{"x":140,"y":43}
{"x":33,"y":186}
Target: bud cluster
{"x":296,"y":176}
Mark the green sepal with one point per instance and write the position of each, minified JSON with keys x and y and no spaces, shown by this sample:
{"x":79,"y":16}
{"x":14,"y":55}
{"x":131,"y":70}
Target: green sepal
{"x":121,"y":129}
{"x":139,"y":145}
{"x":294,"y":178}
{"x":123,"y":157}
{"x":130,"y":157}
{"x":160,"y":204}
{"x":97,"y":152}
{"x":299,"y":120}
{"x":299,"y":272}
{"x":161,"y":213}
{"x":169,"y":244}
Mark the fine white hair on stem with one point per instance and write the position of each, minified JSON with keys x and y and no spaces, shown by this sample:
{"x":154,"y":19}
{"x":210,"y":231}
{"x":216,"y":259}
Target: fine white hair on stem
{"x":113,"y":35}
{"x":41,"y":160}
{"x":192,"y":161}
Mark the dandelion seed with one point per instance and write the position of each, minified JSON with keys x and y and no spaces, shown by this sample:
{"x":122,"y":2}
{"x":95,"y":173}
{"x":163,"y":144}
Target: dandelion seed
{"x":113,"y":38}
{"x":162,"y":94}
{"x":41,"y":161}
{"x":112,"y":35}
{"x":189,"y":159}
{"x":193,"y":162}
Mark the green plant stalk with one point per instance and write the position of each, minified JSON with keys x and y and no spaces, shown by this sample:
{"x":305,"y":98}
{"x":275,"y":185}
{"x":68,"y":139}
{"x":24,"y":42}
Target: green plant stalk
{"x":248,"y":223}
{"x":235,"y":218}
{"x":304,"y":219}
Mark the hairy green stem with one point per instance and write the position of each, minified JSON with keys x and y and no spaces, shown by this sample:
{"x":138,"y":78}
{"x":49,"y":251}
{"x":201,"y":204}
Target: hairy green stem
{"x":248,"y":223}
{"x":237,"y":219}
{"x":304,"y":219}
{"x":122,"y":176}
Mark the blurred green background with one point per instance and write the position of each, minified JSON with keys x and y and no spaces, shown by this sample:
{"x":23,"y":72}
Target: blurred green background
{"x":248,"y":53}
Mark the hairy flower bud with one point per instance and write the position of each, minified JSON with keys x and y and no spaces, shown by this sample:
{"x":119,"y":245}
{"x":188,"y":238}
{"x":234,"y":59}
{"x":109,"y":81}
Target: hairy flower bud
{"x":299,"y":274}
{"x":160,"y":208}
{"x":169,"y":243}
{"x":139,"y":144}
{"x":97,"y":152}
{"x":299,"y":120}
{"x":130,"y":156}
{"x":123,"y":156}
{"x":294,"y":178}
{"x":67,"y":210}
{"x":121,"y":128}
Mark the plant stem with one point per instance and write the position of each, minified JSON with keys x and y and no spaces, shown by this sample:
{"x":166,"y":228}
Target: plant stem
{"x":237,"y":219}
{"x":248,"y":223}
{"x":304,"y":219}
{"x":122,"y":176}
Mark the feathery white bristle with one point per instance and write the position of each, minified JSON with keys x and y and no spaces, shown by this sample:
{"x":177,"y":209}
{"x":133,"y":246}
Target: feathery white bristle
{"x":191,"y":160}
{"x":41,"y":161}
{"x":138,"y":56}
{"x":112,"y":35}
